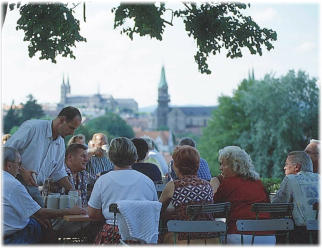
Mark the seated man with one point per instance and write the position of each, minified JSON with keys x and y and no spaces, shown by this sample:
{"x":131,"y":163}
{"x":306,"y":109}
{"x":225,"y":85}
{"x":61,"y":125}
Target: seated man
{"x":75,"y":159}
{"x":98,"y":159}
{"x":301,"y":187}
{"x":203,"y":171}
{"x":22,"y":216}
{"x":148,"y":169}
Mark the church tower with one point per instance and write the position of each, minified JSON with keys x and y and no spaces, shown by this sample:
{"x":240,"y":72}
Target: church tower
{"x":163,"y":101}
{"x":68,"y":86}
{"x":63,"y":92}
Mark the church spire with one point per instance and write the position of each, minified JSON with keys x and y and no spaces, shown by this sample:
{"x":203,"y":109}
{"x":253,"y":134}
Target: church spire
{"x":163,"y":81}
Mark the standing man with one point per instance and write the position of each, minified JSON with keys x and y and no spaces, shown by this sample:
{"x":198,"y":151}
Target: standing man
{"x":203,"y":171}
{"x":300,"y":186}
{"x":313,"y":150}
{"x":42,"y":148}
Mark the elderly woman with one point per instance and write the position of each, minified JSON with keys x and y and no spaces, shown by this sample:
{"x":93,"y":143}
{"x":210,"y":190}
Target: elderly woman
{"x":240,"y":185}
{"x":122,"y":183}
{"x":188,"y":189}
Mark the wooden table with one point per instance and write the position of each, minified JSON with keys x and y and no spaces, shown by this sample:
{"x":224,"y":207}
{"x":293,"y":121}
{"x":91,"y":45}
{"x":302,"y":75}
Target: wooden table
{"x":78,"y":218}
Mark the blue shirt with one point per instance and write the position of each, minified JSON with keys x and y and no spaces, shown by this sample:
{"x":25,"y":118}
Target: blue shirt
{"x":203,"y":171}
{"x":17,"y":205}
{"x":39,"y":152}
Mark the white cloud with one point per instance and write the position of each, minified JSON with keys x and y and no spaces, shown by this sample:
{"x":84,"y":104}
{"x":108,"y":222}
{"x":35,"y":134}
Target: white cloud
{"x":265,"y":15}
{"x":306,"y":46}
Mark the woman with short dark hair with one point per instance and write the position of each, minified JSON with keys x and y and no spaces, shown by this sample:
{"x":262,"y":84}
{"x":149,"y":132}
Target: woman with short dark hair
{"x":188,"y":189}
{"x":149,"y":169}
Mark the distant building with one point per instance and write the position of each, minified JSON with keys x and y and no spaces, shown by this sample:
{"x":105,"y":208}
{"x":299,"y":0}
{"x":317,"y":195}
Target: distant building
{"x":179,"y":119}
{"x":163,"y":139}
{"x":95,"y":105}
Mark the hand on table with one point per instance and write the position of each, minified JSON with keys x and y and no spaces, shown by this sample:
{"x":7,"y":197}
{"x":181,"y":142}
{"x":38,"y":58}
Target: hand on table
{"x":43,"y":222}
{"x":77,"y":210}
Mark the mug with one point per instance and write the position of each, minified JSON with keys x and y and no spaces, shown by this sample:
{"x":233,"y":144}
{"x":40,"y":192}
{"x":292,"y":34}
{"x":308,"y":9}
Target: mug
{"x":53,"y":201}
{"x":73,"y":193}
{"x":64,"y":201}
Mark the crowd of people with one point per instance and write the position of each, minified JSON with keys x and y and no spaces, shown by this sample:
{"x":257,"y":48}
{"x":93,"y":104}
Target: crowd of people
{"x":37,"y":165}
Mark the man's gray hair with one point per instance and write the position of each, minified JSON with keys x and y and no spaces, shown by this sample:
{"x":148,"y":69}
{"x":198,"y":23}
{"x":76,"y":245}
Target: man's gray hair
{"x":122,"y":152}
{"x":187,"y":141}
{"x":10,"y":154}
{"x":239,"y":160}
{"x":302,"y":158}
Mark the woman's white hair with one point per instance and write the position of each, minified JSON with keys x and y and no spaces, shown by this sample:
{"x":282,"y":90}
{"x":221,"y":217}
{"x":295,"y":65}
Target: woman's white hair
{"x":239,"y":161}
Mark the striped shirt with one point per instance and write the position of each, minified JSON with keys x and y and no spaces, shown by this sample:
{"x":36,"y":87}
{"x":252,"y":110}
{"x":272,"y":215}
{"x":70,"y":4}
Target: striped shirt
{"x":97,"y":165}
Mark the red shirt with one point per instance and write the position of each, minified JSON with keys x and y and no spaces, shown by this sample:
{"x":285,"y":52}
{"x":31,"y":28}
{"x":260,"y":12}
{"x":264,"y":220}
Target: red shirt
{"x":242,"y":193}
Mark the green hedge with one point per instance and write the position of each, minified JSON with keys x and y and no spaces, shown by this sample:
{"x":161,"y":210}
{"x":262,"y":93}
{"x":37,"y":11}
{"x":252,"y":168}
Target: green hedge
{"x":271,"y":184}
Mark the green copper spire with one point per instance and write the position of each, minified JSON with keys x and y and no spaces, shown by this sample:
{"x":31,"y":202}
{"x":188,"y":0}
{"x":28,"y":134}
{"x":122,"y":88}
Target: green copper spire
{"x":163,"y":81}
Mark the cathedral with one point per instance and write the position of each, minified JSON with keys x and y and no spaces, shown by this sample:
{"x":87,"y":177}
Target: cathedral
{"x":95,"y":105}
{"x":179,"y":119}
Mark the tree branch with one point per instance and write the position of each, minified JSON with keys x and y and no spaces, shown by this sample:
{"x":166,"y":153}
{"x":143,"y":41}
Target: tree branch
{"x":4,"y":7}
{"x":187,"y":6}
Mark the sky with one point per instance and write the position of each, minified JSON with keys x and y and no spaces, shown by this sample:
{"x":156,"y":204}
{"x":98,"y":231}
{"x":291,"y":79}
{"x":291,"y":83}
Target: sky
{"x":111,"y":63}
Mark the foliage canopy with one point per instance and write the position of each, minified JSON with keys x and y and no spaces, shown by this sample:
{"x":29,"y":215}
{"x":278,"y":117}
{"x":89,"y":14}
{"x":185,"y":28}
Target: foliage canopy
{"x":268,"y":118}
{"x":52,"y":29}
{"x":15,"y":117}
{"x":111,"y":124}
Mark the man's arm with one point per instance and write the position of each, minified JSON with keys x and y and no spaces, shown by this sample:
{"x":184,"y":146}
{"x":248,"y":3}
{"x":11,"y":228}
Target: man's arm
{"x":94,"y":213}
{"x":64,"y":182}
{"x":20,"y":140}
{"x":284,"y":193}
{"x":47,"y":213}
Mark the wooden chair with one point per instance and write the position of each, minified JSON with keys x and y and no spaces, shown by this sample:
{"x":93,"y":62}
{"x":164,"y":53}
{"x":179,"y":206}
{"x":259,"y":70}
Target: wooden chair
{"x":281,"y":214}
{"x":190,"y":226}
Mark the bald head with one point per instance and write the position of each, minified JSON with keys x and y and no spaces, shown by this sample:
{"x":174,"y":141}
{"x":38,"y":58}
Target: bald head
{"x":313,"y":150}
{"x":99,"y":139}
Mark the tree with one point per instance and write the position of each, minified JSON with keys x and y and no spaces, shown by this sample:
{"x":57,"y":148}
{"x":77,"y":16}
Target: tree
{"x":112,"y":124}
{"x":267,"y":118}
{"x":283,"y":113}
{"x":11,"y":119}
{"x":31,"y":109}
{"x":227,"y":122}
{"x":52,"y":29}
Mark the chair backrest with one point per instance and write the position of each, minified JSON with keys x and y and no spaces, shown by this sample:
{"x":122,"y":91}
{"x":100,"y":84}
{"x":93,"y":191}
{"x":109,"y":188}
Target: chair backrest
{"x":277,"y":209}
{"x":194,"y":226}
{"x":265,"y":225}
{"x":220,"y":209}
